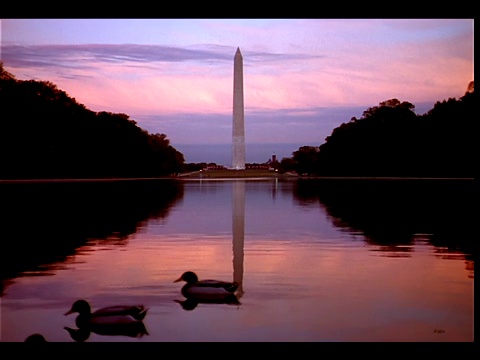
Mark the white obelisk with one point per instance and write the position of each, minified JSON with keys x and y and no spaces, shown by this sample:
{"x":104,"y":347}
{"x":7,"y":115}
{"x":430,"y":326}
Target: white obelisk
{"x":238,"y":128}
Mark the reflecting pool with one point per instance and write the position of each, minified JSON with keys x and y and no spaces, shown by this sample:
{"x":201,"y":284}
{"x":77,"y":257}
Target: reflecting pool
{"x":315,"y":260}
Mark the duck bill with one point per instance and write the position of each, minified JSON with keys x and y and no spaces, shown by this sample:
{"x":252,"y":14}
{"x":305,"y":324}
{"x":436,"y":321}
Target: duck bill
{"x":68,"y":312}
{"x":179,"y":279}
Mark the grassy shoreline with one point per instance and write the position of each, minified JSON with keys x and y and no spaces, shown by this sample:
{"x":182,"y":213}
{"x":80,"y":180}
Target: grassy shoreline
{"x":229,"y":174}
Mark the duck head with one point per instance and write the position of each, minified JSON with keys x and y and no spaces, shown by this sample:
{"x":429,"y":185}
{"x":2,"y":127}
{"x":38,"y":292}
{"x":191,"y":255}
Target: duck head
{"x":80,"y":306}
{"x":188,"y":276}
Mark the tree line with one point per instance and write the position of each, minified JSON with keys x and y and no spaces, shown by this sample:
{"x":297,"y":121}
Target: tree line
{"x":44,"y":133}
{"x":390,"y":140}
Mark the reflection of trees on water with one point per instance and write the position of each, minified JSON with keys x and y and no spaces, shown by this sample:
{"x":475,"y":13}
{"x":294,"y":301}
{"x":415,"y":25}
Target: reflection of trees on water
{"x":392,"y":213}
{"x":42,"y":224}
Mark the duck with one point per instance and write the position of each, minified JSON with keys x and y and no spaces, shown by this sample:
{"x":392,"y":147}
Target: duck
{"x":207,"y":290}
{"x":36,"y":338}
{"x":83,"y":308}
{"x":124,"y":320}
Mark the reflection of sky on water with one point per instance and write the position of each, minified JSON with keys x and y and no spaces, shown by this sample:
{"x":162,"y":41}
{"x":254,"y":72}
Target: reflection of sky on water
{"x":270,"y":212}
{"x":277,"y":275}
{"x":304,"y":279}
{"x":43,"y":225}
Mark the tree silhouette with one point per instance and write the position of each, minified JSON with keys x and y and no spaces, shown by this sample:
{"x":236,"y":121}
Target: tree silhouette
{"x":390,"y":140}
{"x":45,"y":133}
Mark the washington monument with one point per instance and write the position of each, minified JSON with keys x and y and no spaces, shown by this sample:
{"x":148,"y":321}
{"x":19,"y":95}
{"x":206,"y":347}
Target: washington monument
{"x":238,"y":128}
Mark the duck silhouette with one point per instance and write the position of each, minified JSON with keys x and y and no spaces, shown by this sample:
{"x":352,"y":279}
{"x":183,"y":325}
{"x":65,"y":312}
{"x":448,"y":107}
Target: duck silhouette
{"x":206,"y":291}
{"x":36,"y":338}
{"x":125,"y":320}
{"x":83,"y":308}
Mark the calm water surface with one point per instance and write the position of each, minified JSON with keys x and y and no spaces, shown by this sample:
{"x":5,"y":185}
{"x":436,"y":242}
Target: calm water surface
{"x":317,"y":260}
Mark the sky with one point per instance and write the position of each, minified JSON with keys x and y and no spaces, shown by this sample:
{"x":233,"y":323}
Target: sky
{"x":302,"y":77}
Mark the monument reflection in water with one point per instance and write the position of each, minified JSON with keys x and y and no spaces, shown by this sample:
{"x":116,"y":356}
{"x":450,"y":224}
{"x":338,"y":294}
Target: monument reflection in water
{"x":238,"y":232}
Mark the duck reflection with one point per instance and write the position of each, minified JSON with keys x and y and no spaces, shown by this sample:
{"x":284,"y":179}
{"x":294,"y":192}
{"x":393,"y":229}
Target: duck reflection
{"x":118,"y":320}
{"x":43,"y":224}
{"x":210,"y":291}
{"x":191,"y":303}
{"x":134,"y":330}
